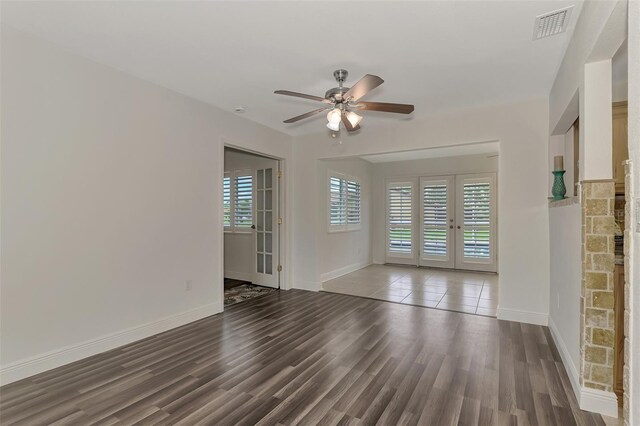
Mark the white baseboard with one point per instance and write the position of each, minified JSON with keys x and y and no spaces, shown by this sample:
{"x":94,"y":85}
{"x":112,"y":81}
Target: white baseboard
{"x":37,"y":364}
{"x":572,"y":369}
{"x":528,"y":317}
{"x":593,"y":400}
{"x":343,"y":271}
{"x":597,"y":401}
{"x":235,"y":275}
{"x":307,"y":285}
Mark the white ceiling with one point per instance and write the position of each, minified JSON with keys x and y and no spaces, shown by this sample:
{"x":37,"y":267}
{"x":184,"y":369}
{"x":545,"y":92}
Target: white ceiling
{"x":489,"y":148}
{"x":438,"y":55}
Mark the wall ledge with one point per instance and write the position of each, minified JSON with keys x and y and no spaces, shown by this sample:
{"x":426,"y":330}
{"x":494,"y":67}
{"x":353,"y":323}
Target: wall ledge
{"x":47,"y":361}
{"x":565,"y":202}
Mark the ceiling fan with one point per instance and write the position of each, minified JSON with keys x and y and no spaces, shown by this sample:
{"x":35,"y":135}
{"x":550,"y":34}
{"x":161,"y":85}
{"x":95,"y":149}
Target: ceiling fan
{"x":342,"y":102}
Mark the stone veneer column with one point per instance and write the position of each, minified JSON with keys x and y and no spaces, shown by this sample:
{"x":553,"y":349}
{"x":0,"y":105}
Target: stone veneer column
{"x":626,"y":407}
{"x":597,"y":302}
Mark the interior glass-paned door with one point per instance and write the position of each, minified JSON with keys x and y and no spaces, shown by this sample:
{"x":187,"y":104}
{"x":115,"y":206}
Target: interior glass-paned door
{"x":437,"y":222}
{"x":475,"y":223}
{"x":266,"y":241}
{"x":400,"y":245}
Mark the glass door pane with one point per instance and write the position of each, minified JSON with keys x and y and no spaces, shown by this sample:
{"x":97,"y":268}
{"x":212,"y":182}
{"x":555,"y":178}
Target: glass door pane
{"x":475,"y":240}
{"x":264,"y":230}
{"x":436,"y":221}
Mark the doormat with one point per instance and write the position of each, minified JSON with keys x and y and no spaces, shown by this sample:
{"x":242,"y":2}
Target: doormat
{"x":245,"y":292}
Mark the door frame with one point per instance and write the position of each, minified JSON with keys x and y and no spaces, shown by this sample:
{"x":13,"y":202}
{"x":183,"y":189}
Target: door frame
{"x":284,"y":235}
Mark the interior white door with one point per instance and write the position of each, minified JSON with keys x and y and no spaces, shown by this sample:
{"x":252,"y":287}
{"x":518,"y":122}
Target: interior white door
{"x":476,"y":222}
{"x":266,"y":235}
{"x":437,"y":222}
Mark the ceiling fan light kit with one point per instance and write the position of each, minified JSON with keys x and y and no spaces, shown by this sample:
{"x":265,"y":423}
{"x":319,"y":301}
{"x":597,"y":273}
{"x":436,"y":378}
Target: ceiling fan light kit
{"x":341,"y":101}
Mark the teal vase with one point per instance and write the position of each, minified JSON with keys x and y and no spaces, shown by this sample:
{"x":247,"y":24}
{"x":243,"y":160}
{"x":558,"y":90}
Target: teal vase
{"x":558,"y":190}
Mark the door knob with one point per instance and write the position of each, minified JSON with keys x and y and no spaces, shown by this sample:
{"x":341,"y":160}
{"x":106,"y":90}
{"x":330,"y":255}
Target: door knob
{"x":450,"y":226}
{"x":458,"y":226}
{"x":253,"y":227}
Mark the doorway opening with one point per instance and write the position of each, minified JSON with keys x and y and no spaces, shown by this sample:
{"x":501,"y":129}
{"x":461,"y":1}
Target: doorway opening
{"x":435,"y":209}
{"x":251,"y":220}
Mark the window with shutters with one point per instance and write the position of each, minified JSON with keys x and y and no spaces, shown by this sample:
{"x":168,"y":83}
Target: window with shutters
{"x":226,"y":200}
{"x":344,"y":202}
{"x":477,"y":219}
{"x":400,"y":219}
{"x":237,"y":193}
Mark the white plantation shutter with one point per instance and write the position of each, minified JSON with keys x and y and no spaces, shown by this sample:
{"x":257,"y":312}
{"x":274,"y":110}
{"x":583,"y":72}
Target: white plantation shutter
{"x":353,"y":202}
{"x":400,"y":218}
{"x":226,"y":200}
{"x":243,"y":201}
{"x":477,"y":219}
{"x":344,"y":202}
{"x":435,"y":219}
{"x":337,"y":201}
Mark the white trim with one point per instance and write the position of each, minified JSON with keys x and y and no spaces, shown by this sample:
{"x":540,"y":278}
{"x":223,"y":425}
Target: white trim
{"x":572,"y":370}
{"x":343,"y":271}
{"x":307,"y":285}
{"x":598,"y":401}
{"x":37,"y":364}
{"x":537,"y":318}
{"x":593,"y":400}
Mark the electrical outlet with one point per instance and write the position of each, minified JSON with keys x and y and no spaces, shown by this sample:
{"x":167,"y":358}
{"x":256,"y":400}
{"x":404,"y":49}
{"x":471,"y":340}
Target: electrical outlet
{"x":187,"y":285}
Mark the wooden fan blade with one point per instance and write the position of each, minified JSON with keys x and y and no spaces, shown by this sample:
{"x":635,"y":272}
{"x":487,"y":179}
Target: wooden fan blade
{"x":302,"y":95}
{"x":305,"y":115}
{"x":363,"y":86}
{"x":347,"y":124}
{"x":385,"y":107}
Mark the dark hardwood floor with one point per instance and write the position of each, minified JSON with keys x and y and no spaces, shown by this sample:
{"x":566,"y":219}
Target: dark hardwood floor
{"x":313,"y":358}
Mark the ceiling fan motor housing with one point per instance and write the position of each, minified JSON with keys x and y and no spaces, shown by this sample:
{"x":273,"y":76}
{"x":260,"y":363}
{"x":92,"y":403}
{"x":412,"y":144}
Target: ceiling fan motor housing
{"x":336,"y":93}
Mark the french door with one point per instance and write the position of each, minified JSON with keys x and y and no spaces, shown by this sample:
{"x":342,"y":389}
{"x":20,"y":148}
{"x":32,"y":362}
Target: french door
{"x":476,"y":222}
{"x":456,"y":217}
{"x":266,"y":235}
{"x":436,"y":222}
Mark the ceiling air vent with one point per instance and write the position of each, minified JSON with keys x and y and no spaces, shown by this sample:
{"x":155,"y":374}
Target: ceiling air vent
{"x":551,"y":23}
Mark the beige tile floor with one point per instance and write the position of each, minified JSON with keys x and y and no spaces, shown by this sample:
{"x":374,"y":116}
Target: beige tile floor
{"x":461,"y":291}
